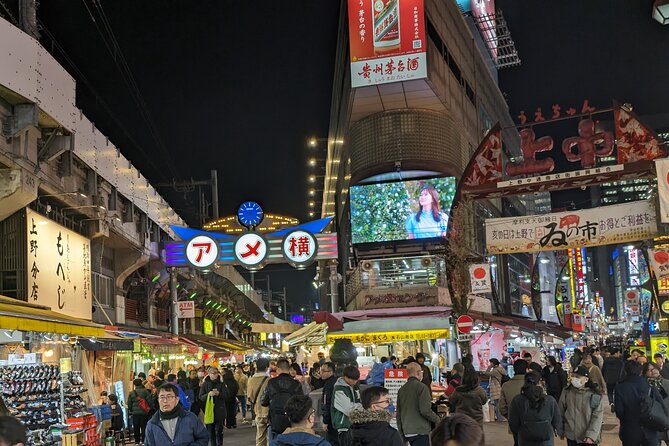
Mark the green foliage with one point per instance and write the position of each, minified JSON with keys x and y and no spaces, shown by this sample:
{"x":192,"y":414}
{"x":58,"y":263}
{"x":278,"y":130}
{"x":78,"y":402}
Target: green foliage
{"x":379,"y":211}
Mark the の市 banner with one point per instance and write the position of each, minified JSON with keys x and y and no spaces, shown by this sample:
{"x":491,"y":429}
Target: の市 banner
{"x":572,"y":229}
{"x":387,"y":39}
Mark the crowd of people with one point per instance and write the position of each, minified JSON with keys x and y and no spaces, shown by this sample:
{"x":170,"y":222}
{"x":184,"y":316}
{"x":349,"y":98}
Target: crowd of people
{"x":194,"y":407}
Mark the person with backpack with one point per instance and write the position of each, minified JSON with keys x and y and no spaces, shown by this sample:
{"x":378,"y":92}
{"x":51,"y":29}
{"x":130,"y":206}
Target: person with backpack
{"x":534,"y":417}
{"x":277,"y":392}
{"x":140,"y":402}
{"x":376,"y":376}
{"x":582,"y":409}
{"x":213,"y":392}
{"x":498,"y":376}
{"x":231,"y":400}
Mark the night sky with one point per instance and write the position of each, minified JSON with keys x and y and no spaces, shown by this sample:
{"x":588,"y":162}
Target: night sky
{"x":240,"y":86}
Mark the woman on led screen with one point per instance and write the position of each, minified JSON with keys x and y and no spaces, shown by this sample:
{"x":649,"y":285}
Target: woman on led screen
{"x":429,"y":221}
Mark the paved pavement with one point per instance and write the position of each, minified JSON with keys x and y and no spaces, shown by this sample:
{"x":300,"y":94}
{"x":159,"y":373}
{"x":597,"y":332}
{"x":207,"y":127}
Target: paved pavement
{"x":496,"y":434}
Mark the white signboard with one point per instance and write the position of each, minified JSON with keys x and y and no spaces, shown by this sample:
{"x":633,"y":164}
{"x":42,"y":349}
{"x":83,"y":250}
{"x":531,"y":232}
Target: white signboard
{"x":59,"y":267}
{"x":393,"y":379}
{"x":299,"y":247}
{"x":479,"y":276}
{"x":662,"y":168}
{"x":659,"y":260}
{"x":572,"y":229}
{"x":251,"y":250}
{"x":202,"y":251}
{"x":186,"y":309}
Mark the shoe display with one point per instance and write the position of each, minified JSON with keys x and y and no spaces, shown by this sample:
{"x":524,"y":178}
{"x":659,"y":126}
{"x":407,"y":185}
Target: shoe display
{"x":32,"y":393}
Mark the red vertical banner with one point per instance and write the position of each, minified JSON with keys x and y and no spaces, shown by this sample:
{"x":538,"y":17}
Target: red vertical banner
{"x":387,"y":41}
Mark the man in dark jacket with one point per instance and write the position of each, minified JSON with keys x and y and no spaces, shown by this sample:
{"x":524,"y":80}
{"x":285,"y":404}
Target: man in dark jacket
{"x":194,"y":383}
{"x":140,"y":416}
{"x":613,"y":372}
{"x":427,"y":373}
{"x":627,"y":400}
{"x":213,"y":386}
{"x":277,"y":393}
{"x":172,"y":425}
{"x":370,"y":425}
{"x":555,"y":378}
{"x":329,"y":381}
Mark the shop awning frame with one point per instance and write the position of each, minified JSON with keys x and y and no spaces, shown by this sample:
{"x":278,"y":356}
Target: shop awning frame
{"x":311,"y":334}
{"x":22,"y":316}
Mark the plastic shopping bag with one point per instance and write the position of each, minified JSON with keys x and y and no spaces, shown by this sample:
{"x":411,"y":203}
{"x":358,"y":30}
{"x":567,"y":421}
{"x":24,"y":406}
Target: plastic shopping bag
{"x":209,"y":411}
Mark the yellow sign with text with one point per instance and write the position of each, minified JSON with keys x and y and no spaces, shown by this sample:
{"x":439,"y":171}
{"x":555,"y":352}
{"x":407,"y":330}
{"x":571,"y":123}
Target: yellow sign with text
{"x":208,"y":326}
{"x":391,"y":336}
{"x":659,"y":344}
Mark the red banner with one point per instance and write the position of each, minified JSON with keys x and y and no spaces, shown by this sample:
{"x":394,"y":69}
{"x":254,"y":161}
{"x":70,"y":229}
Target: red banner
{"x":387,"y":40}
{"x":634,"y":140}
{"x":486,"y":164}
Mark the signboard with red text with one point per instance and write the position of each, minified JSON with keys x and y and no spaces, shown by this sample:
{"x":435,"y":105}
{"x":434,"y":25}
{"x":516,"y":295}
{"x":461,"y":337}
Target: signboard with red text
{"x":387,"y":41}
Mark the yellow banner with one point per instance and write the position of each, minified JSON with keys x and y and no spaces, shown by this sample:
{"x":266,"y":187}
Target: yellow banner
{"x":391,"y":336}
{"x":658,"y":344}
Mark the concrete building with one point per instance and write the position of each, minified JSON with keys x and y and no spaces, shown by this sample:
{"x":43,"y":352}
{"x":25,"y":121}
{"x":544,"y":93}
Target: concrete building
{"x":416,"y":129}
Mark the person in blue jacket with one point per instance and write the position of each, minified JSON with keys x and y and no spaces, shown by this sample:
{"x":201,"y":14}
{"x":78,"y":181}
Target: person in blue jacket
{"x":173,"y":425}
{"x":627,"y":401}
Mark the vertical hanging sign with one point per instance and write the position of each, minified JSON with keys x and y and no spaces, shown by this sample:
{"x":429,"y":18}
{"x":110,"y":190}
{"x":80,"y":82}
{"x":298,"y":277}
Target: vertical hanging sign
{"x":387,"y":39}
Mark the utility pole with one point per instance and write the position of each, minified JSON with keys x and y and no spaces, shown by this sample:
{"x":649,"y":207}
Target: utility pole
{"x":285,"y":311}
{"x":175,"y":303}
{"x":334,"y":287}
{"x":188,"y":186}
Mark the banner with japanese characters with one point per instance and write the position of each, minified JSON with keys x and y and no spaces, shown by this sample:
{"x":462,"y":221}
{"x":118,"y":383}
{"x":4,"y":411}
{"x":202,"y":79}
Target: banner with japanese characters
{"x":659,"y":260}
{"x":662,"y":168}
{"x":572,"y":229}
{"x":387,"y":39}
{"x":59,"y":267}
{"x":479,"y":277}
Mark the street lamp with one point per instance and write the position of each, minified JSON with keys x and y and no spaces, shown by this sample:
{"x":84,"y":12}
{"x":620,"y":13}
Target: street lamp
{"x":102,"y":208}
{"x":76,"y":194}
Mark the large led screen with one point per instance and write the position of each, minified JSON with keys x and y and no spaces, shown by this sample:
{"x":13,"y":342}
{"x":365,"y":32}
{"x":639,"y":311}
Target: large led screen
{"x":401,"y":210}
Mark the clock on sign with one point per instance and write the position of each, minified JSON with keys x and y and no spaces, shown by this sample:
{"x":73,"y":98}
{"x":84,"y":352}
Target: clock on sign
{"x":250,"y":214}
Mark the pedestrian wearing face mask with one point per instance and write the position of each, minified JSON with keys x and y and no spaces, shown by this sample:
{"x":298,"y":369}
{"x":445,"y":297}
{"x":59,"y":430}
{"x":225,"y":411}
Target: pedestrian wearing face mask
{"x":371,"y":425}
{"x":582,"y":409}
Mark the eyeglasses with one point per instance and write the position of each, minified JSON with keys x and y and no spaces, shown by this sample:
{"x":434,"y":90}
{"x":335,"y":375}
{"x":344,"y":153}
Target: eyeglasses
{"x":386,"y":402}
{"x":166,"y":397}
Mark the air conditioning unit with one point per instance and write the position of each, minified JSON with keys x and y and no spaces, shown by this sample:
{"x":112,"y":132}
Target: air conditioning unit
{"x":366,"y":265}
{"x":426,"y":261}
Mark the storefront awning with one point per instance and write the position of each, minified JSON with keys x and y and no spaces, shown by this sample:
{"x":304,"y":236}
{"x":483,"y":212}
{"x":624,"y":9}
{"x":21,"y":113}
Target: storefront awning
{"x":107,"y":344}
{"x":18,"y":315}
{"x":234,"y":346}
{"x":393,"y":330}
{"x":207,"y":342}
{"x":311,"y":334}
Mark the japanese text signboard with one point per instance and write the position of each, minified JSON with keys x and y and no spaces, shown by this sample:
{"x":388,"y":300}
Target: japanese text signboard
{"x":387,"y":39}
{"x":393,"y":380}
{"x":479,"y":276}
{"x":573,"y":229}
{"x":59,"y":267}
{"x":391,"y":336}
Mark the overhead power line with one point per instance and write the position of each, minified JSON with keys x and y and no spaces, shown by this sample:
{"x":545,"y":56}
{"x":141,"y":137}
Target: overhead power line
{"x":111,"y":43}
{"x":81,"y":77}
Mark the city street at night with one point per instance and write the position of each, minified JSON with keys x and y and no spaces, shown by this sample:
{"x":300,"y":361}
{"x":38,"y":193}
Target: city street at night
{"x":334,"y":223}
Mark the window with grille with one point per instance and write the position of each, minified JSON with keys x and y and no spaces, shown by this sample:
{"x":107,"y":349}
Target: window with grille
{"x":103,"y":289}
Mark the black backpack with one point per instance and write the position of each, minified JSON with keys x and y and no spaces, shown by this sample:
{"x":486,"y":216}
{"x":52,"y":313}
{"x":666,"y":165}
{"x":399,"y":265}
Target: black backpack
{"x":277,"y":415}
